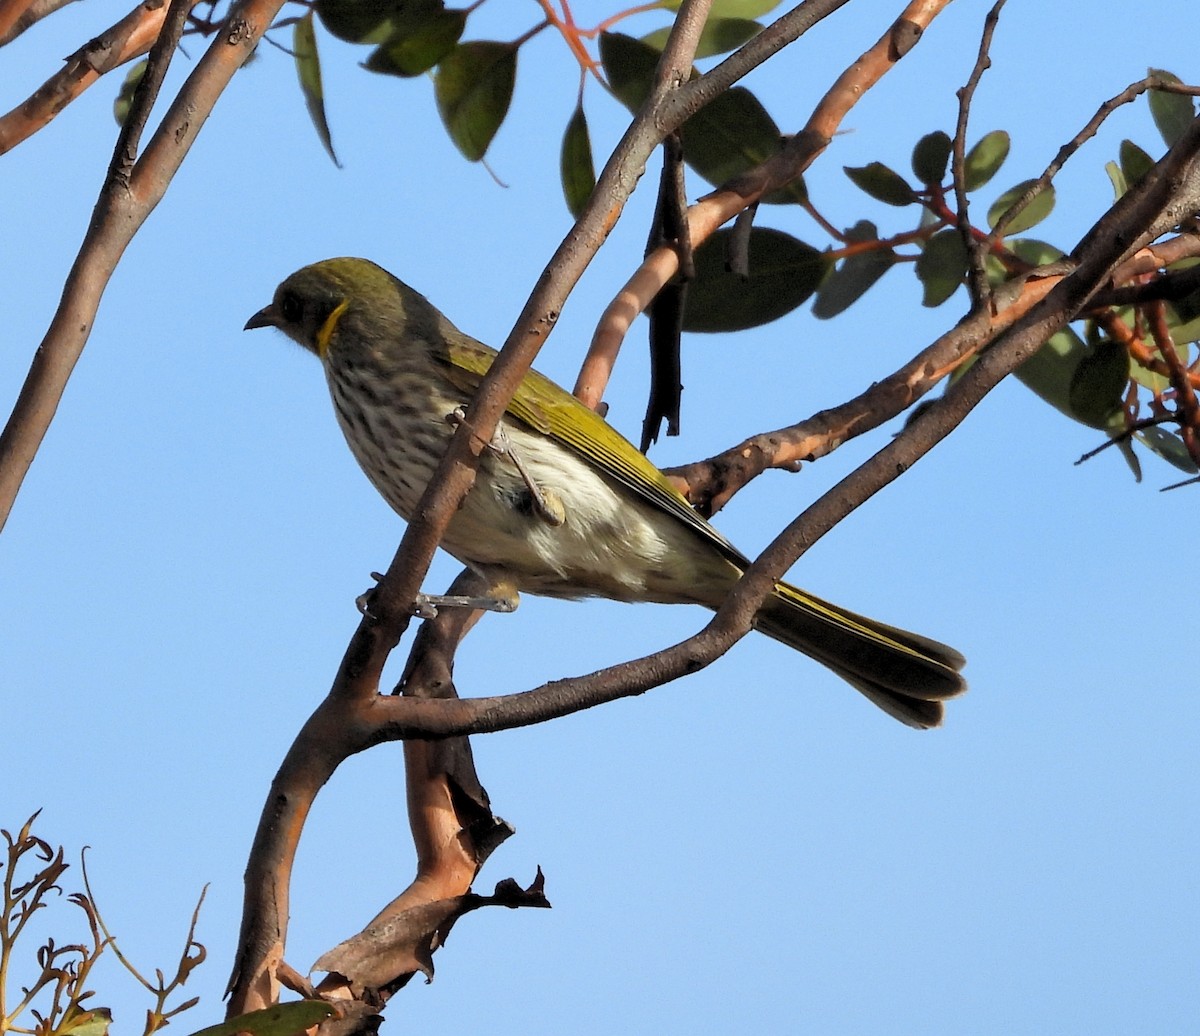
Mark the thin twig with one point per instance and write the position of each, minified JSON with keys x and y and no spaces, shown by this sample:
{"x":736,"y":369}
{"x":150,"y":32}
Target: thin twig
{"x":977,"y":282}
{"x":1130,"y":93}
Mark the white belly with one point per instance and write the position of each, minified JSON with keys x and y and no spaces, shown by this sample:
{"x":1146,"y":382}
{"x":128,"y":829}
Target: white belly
{"x":610,"y":544}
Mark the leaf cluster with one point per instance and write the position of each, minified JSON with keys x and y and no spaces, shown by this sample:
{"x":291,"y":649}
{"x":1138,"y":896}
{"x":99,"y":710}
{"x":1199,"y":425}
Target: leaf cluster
{"x":1085,"y":374}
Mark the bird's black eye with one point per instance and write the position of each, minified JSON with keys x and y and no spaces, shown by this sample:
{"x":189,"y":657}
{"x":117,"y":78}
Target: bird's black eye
{"x":291,"y":308}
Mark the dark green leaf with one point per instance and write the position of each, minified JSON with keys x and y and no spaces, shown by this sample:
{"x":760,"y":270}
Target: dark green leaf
{"x":1170,"y":447}
{"x":473,"y":87}
{"x":1098,"y":384}
{"x":731,"y":134}
{"x":784,"y":272}
{"x":1050,"y":370}
{"x":719,"y":35}
{"x":931,"y":156}
{"x":1135,"y":163}
{"x":881,"y":183}
{"x":853,"y":276}
{"x":941,"y":266}
{"x":629,"y":65}
{"x":1084,"y":382}
{"x":125,"y":94}
{"x":416,"y":45}
{"x":578,"y":171}
{"x":984,"y":160}
{"x":371,"y":21}
{"x":308,"y":69}
{"x":1172,"y":113}
{"x":1033,"y":213}
{"x":794,"y":192}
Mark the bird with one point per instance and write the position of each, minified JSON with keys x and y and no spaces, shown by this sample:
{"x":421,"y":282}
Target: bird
{"x":562,"y":505}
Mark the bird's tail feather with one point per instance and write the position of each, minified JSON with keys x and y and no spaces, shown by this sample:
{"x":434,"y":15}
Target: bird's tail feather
{"x":905,"y":674}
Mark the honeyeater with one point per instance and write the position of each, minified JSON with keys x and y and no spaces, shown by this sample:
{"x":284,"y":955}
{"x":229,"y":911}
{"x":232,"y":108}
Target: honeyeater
{"x":562,"y":505}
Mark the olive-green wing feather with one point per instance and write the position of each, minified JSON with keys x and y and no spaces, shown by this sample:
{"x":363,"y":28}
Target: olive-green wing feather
{"x":551,"y":410}
{"x":904,"y":673}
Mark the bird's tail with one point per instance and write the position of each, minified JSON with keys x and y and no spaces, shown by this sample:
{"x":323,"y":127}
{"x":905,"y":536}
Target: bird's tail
{"x":905,"y":674}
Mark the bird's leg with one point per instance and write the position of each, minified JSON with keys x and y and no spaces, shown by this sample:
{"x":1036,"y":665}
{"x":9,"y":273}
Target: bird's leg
{"x":545,"y":502}
{"x":426,"y":606}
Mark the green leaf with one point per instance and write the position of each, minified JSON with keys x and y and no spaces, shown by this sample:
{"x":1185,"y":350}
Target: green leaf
{"x":1033,"y":251}
{"x":1170,"y":447}
{"x":881,"y":183}
{"x":1098,"y":384}
{"x":731,"y":134}
{"x":629,"y":66}
{"x":1172,"y":113}
{"x":281,"y":1020}
{"x":370,"y":21}
{"x":719,"y":35}
{"x":1033,"y":213}
{"x":1135,"y":163}
{"x":941,"y":266}
{"x":784,"y":272}
{"x":125,"y":95}
{"x":1116,"y":178}
{"x":853,"y":276}
{"x":931,"y":156}
{"x":416,"y":44}
{"x":85,"y":1023}
{"x":473,"y":87}
{"x":308,"y":70}
{"x":1084,"y":382}
{"x":984,"y":160}
{"x":575,"y":162}
{"x":730,"y":8}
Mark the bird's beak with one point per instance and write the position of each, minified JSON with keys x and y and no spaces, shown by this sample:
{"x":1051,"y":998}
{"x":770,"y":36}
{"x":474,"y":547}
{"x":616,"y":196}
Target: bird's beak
{"x":265,"y":317}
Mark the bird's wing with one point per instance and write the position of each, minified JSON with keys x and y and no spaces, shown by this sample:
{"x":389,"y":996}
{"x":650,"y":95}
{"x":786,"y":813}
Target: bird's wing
{"x":549,"y":409}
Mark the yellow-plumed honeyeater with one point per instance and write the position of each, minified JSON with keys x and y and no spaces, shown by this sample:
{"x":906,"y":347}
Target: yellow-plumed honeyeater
{"x":563,"y":505}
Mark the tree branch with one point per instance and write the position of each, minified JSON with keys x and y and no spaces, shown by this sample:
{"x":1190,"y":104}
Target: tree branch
{"x":16,"y":16}
{"x":1164,"y":198}
{"x":345,"y":722}
{"x":738,"y":194}
{"x":130,"y":38}
{"x":120,"y":211}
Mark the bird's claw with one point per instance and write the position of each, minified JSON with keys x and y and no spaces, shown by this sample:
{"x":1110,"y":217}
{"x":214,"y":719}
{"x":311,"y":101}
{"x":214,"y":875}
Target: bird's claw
{"x":363,"y":601}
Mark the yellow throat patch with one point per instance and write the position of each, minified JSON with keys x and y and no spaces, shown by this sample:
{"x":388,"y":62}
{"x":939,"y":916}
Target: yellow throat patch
{"x":330,"y":325}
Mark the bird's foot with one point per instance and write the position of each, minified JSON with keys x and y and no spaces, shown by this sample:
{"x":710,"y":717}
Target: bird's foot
{"x":544,"y":502}
{"x":363,"y":601}
{"x":426,"y":605}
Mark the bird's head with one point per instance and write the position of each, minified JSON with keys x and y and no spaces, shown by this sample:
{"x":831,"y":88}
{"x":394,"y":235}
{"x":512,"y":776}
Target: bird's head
{"x":348,"y":303}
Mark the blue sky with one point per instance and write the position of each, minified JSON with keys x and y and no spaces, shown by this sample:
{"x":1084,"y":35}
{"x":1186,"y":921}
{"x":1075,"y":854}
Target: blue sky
{"x":751,"y":849}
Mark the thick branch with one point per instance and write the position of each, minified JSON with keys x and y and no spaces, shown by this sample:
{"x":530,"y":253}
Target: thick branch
{"x":1168,"y":195}
{"x":354,"y":696}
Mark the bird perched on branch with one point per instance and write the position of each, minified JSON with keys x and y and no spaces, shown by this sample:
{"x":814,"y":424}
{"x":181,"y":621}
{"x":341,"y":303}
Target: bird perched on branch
{"x":562,"y":505}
